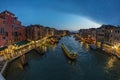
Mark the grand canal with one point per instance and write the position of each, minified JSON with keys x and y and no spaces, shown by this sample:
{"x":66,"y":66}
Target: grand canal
{"x":54,"y":65}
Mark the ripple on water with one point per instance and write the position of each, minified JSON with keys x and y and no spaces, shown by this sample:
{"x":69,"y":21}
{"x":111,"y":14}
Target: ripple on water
{"x":54,"y":65}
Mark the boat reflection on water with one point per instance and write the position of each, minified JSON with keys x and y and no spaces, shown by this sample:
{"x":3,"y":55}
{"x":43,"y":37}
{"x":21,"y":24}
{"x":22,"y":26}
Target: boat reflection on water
{"x":71,"y":62}
{"x":87,"y":47}
{"x":81,"y":44}
{"x":44,"y":49}
{"x":41,"y":49}
{"x":54,"y":47}
{"x":54,"y":65}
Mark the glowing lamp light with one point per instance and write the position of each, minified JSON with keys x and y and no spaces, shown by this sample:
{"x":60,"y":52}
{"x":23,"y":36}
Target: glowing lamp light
{"x":115,"y":47}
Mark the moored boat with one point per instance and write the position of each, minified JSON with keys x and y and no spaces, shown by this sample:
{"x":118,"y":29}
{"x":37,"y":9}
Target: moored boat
{"x":93,"y":46}
{"x":70,"y":55}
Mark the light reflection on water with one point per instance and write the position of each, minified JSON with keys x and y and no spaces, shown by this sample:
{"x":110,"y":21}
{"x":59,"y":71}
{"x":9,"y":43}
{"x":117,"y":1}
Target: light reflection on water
{"x":111,"y":68}
{"x":110,"y":62}
{"x":54,"y":65}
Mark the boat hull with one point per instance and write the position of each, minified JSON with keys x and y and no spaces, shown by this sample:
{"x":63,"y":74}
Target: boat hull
{"x":93,"y":46}
{"x":68,"y":53}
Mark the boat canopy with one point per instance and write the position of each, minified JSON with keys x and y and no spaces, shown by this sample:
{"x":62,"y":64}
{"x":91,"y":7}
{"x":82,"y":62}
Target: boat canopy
{"x":3,"y":48}
{"x":22,"y":43}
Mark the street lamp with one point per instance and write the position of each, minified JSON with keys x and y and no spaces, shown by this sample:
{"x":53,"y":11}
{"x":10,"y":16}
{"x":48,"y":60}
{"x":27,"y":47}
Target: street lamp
{"x":114,"y":49}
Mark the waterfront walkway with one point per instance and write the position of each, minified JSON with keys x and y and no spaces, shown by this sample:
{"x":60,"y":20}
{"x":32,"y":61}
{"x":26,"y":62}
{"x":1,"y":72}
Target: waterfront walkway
{"x":106,"y":47}
{"x":19,"y":51}
{"x":93,"y":65}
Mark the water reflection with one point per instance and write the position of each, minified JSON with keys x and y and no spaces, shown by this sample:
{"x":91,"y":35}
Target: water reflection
{"x":54,"y":65}
{"x":72,"y":62}
{"x":81,"y":44}
{"x":54,"y":47}
{"x":110,"y":62}
{"x":42,"y":49}
{"x":87,"y":47}
{"x":19,"y":66}
{"x":111,"y":68}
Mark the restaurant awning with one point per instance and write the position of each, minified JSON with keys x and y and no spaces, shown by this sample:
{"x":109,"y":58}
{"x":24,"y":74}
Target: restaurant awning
{"x":22,"y":43}
{"x":2,"y":48}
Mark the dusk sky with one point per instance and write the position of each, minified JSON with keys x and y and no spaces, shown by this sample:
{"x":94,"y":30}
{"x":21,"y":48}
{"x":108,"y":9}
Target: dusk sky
{"x":65,"y":14}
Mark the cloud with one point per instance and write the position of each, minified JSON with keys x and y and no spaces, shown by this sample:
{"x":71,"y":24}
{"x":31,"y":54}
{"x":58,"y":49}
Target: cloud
{"x":80,"y":22}
{"x":65,"y":14}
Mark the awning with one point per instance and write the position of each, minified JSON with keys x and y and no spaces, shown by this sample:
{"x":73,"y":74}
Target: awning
{"x":22,"y":43}
{"x":2,"y":48}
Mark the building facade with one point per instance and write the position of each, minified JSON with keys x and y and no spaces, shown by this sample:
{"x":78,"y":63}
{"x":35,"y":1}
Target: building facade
{"x":106,"y":34}
{"x":37,"y":32}
{"x":11,"y":30}
{"x":107,"y":37}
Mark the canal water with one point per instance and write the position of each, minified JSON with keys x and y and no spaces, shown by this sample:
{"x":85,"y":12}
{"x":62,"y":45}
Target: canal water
{"x":54,"y":65}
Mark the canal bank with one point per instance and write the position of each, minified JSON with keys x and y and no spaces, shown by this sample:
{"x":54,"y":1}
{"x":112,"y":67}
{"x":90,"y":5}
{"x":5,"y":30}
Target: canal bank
{"x":19,"y":66}
{"x":19,"y":50}
{"x":55,"y":66}
{"x":100,"y":46}
{"x":24,"y":62}
{"x":6,"y":65}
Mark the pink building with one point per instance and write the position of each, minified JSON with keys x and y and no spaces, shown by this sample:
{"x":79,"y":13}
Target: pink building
{"x":2,"y":35}
{"x":11,"y":30}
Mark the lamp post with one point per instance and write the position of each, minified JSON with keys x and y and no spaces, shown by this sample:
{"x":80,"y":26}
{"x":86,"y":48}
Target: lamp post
{"x":114,"y":48}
